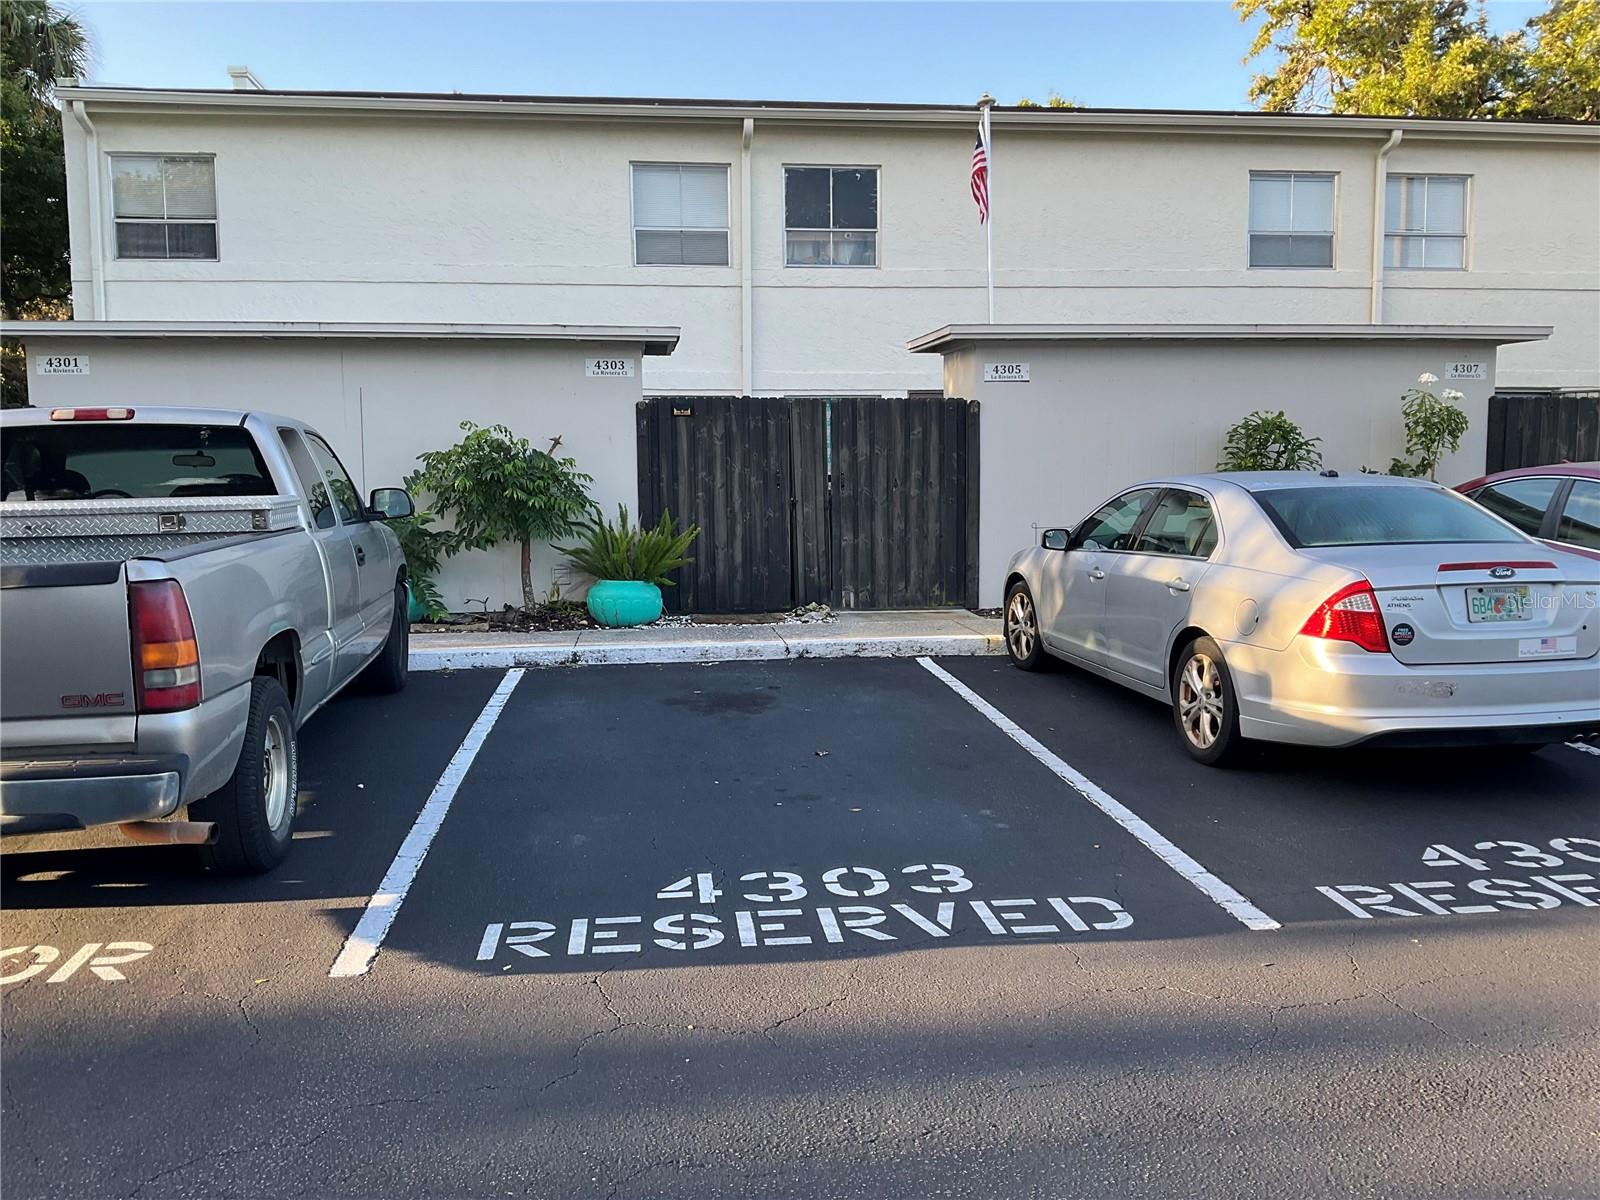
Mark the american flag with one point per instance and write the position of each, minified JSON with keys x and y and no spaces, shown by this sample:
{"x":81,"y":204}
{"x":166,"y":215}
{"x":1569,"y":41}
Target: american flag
{"x":980,"y":178}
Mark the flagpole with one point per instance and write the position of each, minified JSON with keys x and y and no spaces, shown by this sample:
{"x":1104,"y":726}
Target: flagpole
{"x":985,"y":102}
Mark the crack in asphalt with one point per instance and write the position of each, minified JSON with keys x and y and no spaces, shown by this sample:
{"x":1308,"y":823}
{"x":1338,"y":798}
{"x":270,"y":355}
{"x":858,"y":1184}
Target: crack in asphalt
{"x":233,"y":1152}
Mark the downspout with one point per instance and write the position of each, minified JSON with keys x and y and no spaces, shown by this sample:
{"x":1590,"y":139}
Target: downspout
{"x":97,"y":278}
{"x":746,"y":304}
{"x":1380,"y":179}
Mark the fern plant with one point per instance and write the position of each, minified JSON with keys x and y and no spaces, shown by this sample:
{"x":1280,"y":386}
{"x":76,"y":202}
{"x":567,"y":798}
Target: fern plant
{"x":626,"y":551}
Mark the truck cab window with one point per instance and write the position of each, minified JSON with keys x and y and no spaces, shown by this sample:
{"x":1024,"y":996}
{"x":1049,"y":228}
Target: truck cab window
{"x":92,"y":461}
{"x":316,"y":492}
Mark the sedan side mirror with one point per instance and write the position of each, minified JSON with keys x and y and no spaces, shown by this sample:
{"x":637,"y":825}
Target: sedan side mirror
{"x":1054,"y":539}
{"x":391,"y":504}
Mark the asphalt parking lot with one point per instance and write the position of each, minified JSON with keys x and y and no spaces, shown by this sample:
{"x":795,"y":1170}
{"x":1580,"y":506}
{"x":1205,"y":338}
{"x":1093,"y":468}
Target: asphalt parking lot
{"x":847,"y":928}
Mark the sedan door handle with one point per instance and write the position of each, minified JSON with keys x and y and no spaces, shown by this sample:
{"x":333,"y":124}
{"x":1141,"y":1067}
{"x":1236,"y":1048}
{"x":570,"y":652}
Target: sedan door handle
{"x":1096,"y":573}
{"x":361,"y":555}
{"x":1178,"y":585}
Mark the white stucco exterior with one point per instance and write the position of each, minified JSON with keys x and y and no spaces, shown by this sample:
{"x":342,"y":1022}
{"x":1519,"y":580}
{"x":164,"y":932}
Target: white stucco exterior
{"x":382,"y":400}
{"x":360,"y":208}
{"x":1102,"y":410}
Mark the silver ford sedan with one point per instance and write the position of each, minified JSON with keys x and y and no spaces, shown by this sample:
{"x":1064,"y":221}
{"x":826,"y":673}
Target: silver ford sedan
{"x":1289,"y":606}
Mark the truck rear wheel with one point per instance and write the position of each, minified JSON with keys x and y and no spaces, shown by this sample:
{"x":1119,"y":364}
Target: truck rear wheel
{"x":254,"y":810}
{"x":387,"y":673}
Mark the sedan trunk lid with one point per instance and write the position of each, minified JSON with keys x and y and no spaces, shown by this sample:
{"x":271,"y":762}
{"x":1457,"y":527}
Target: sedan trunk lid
{"x":1491,"y":602}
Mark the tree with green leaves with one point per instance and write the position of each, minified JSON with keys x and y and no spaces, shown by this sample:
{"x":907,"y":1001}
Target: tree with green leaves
{"x":1559,"y":73}
{"x":1053,"y":100}
{"x":494,"y":487}
{"x":1430,"y":58}
{"x":39,"y":44}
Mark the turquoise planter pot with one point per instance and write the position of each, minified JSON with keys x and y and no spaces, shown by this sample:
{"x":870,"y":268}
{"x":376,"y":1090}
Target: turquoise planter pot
{"x":620,"y":602}
{"x":414,"y":611}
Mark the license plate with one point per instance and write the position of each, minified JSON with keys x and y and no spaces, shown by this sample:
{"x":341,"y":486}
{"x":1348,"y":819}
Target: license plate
{"x":1507,"y":603}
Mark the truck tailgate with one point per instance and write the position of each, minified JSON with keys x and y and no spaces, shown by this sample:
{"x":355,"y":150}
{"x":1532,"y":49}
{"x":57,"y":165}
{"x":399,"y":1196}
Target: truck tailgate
{"x":65,"y":643}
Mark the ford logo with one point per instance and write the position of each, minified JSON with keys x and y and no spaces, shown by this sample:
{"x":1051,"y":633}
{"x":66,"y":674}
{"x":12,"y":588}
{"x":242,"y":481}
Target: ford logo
{"x":1502,"y":572}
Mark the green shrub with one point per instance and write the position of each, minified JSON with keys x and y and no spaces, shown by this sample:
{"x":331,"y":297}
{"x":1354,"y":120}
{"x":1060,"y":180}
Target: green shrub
{"x":495,"y":487}
{"x":1434,"y":426}
{"x":423,"y":547}
{"x":625,"y":551}
{"x":1266,"y":441}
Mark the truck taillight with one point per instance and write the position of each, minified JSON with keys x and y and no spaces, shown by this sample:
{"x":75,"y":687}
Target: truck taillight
{"x":1350,"y":615}
{"x":166,"y":659}
{"x":91,"y":414}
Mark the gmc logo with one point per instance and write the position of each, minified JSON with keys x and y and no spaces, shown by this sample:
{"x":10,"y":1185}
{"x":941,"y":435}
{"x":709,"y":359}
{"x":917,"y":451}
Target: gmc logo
{"x":99,"y":700}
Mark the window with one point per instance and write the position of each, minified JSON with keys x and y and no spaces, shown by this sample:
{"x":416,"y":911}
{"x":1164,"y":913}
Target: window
{"x":1109,"y":529}
{"x":1520,"y":501}
{"x":310,"y":480}
{"x":680,"y":215}
{"x":1291,"y":219}
{"x":165,"y":207}
{"x":830,"y":216}
{"x":1377,"y":515}
{"x":345,"y":497}
{"x":1425,"y":222}
{"x":115,"y":460}
{"x":1580,"y":518}
{"x":1180,"y":524}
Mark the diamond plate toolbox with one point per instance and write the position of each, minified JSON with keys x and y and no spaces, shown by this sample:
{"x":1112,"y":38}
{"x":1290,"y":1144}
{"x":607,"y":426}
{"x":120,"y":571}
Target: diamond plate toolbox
{"x":54,"y":531}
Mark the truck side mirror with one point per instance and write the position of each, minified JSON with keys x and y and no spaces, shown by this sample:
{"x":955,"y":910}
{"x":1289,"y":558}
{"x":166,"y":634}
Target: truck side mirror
{"x":1054,"y":539}
{"x":391,"y":504}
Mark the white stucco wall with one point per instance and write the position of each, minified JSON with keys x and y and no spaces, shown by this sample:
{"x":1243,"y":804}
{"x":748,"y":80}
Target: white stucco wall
{"x":393,"y":217}
{"x":1096,"y":417}
{"x":381,"y":403}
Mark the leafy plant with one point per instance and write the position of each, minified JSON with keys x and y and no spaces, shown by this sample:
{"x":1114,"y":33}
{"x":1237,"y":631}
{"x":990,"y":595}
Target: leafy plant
{"x":1434,"y":426}
{"x":625,"y":551}
{"x":423,"y":547}
{"x":1266,"y":441}
{"x":496,"y":487}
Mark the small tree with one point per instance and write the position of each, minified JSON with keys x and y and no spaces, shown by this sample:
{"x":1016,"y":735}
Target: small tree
{"x":1434,"y":425}
{"x":1266,"y":441}
{"x":496,"y":487}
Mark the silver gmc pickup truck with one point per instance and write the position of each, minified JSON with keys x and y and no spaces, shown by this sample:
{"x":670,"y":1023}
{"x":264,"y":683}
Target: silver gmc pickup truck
{"x":180,"y":589}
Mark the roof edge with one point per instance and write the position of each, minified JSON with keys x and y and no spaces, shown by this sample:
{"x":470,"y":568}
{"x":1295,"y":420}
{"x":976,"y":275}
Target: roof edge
{"x":655,"y":339}
{"x":949,"y":337}
{"x":1010,"y":117}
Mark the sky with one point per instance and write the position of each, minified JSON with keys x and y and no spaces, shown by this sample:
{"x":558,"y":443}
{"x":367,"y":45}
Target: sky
{"x":1120,"y":54}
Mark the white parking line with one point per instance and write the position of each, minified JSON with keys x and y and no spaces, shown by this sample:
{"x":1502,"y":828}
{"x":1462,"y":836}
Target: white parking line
{"x":1585,"y":747}
{"x":1219,"y":892}
{"x":362,"y":946}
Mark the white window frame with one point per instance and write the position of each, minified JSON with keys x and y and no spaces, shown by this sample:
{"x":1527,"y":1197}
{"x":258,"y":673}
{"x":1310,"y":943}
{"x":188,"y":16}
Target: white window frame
{"x":1465,"y":236}
{"x":877,"y":232}
{"x":1333,"y":233}
{"x":635,"y":229}
{"x":215,"y":220}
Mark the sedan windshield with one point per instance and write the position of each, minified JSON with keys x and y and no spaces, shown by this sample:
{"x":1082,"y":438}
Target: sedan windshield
{"x":1378,"y":516}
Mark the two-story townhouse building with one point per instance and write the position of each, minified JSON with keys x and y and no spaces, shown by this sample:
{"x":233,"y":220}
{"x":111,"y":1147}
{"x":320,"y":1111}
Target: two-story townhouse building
{"x":387,"y":265}
{"x":800,"y":246}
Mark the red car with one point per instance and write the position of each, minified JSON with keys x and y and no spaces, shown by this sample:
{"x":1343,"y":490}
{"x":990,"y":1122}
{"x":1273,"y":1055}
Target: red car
{"x":1559,"y":504}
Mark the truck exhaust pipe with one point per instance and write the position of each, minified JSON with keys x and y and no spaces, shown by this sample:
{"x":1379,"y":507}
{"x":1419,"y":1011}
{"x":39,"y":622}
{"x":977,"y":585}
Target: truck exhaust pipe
{"x":168,"y":833}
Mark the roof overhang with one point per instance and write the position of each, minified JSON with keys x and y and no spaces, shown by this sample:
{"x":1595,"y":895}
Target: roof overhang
{"x":653,"y":339}
{"x":617,"y":108}
{"x":957,"y":337}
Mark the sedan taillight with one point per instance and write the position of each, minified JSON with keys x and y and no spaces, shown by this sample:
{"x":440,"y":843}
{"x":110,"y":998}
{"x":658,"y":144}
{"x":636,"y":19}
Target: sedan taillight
{"x":166,"y":658}
{"x":1350,"y":615}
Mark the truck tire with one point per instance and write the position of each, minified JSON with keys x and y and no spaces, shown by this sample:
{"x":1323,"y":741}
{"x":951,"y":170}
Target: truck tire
{"x":254,"y":810}
{"x":387,"y":672}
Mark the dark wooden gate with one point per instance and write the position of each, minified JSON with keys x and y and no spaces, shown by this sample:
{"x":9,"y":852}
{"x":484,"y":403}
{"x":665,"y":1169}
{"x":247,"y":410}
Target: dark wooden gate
{"x":857,"y":502}
{"x":1534,"y":428}
{"x":905,"y":502}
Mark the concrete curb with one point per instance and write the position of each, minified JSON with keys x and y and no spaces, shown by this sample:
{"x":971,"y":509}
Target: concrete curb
{"x":766,"y":649}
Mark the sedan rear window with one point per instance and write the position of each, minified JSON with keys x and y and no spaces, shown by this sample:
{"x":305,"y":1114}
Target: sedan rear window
{"x":1378,"y":516}
{"x":137,"y":462}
